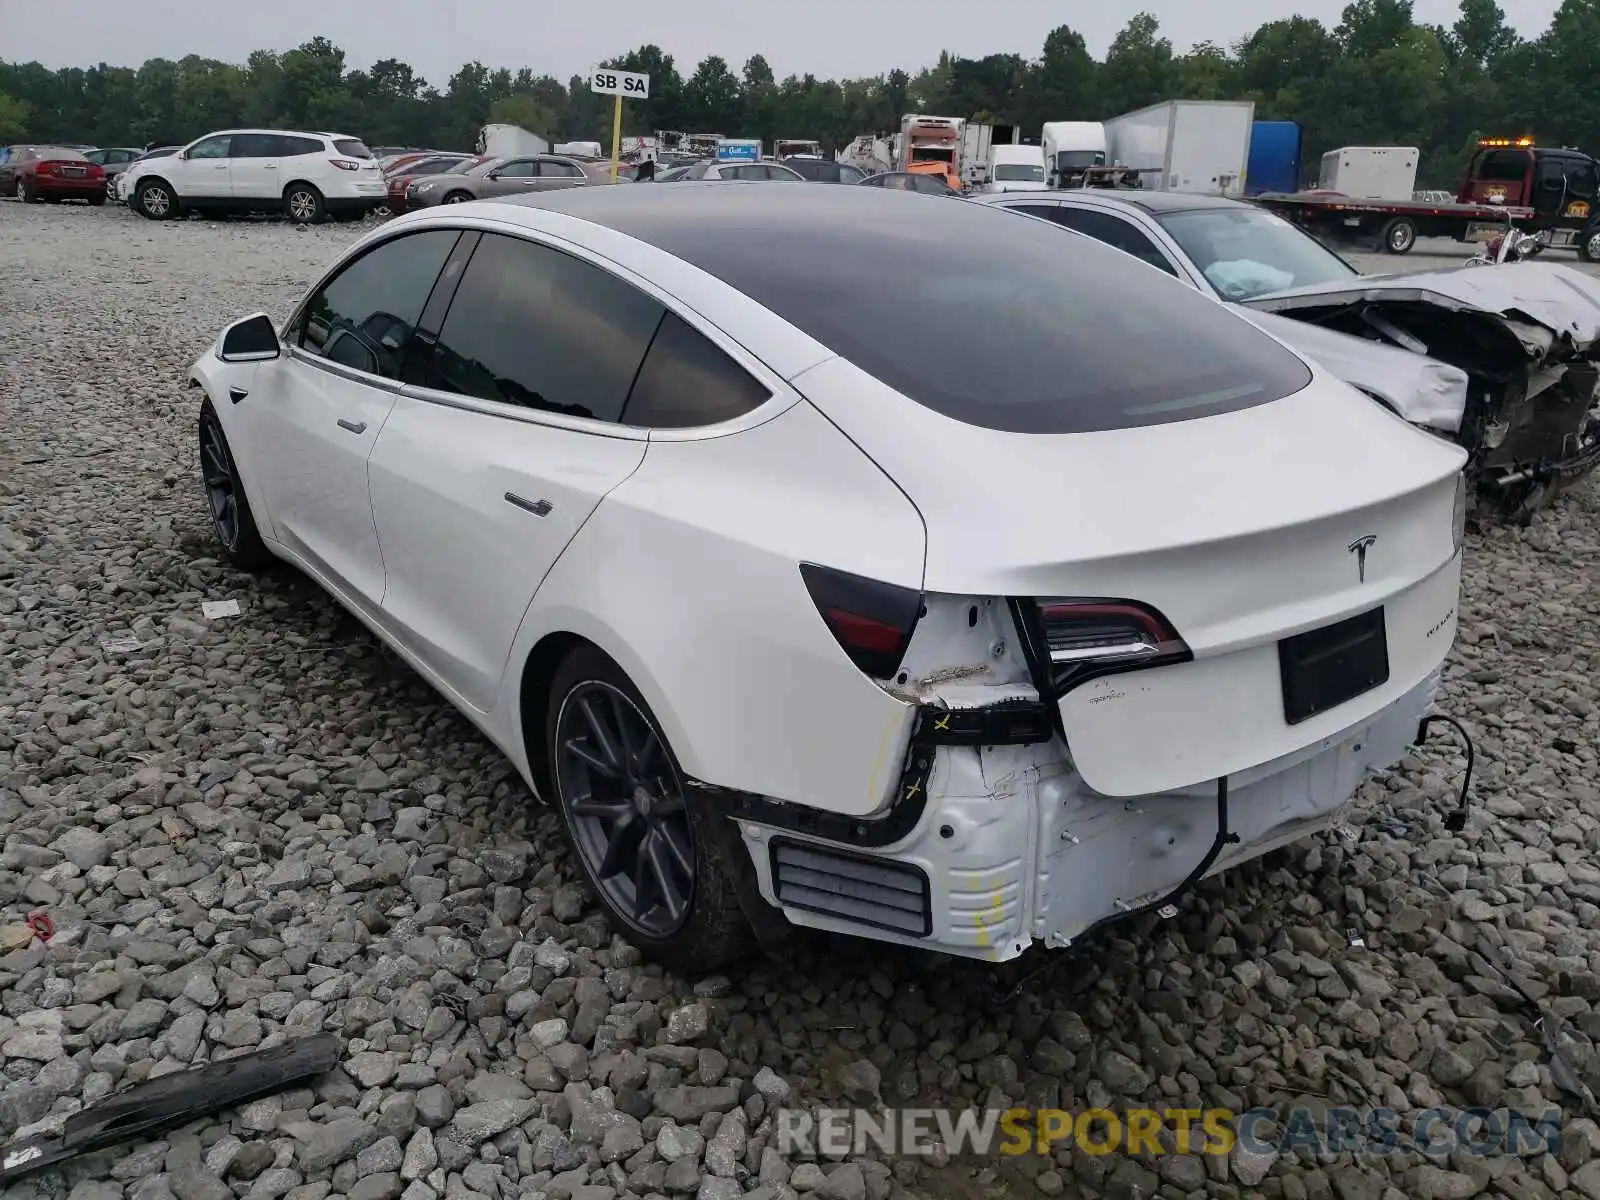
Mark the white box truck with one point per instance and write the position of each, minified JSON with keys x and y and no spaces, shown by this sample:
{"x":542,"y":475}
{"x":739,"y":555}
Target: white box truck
{"x":502,"y":141}
{"x":1071,"y":147}
{"x":1199,"y":146}
{"x":1371,"y":172}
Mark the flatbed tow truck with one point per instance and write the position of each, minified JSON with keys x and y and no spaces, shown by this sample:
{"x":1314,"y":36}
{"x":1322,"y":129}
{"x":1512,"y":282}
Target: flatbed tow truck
{"x":1541,"y":190}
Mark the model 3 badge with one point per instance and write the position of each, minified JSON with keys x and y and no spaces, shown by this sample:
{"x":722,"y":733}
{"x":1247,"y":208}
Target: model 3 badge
{"x":1359,"y":548}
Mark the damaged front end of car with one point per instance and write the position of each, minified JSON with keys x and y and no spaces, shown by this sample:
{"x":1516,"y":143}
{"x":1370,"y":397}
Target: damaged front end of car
{"x":1527,"y":336}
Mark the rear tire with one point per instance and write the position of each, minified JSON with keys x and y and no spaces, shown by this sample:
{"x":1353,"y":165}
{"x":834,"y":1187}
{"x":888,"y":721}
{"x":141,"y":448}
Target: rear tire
{"x":304,"y":204}
{"x":97,"y":201}
{"x":639,"y":811}
{"x":1399,"y":236}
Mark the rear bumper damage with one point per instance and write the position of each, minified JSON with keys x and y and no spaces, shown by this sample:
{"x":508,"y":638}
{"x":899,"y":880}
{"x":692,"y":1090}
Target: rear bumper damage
{"x":1012,"y":848}
{"x":997,"y":842}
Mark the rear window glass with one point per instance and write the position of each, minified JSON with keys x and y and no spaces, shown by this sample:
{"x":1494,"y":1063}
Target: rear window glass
{"x":1503,"y":166}
{"x":351,"y":148}
{"x":998,"y":322}
{"x":60,"y":154}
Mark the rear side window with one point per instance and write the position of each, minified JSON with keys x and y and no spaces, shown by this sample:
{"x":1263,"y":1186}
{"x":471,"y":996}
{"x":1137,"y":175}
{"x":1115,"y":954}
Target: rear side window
{"x":686,"y":382}
{"x":989,"y":319}
{"x":1113,"y":231}
{"x":1503,"y":166}
{"x":534,"y":327}
{"x":290,"y":146}
{"x":551,"y":167}
{"x":351,"y":148}
{"x":363,"y":317}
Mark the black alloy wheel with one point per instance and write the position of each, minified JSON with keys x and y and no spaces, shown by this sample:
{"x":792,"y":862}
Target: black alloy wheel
{"x":231,"y":518}
{"x":626,"y":805}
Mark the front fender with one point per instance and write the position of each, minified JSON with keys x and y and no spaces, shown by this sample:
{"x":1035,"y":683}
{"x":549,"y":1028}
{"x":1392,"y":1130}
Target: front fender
{"x":215,"y":378}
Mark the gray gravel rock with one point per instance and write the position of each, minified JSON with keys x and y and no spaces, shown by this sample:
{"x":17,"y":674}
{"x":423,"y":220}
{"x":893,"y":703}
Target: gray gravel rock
{"x":255,"y":827}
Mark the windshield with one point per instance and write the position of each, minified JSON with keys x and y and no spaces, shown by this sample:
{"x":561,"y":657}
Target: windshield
{"x":1245,"y":252}
{"x":1077,"y":160}
{"x":928,"y":154}
{"x":1033,"y":172}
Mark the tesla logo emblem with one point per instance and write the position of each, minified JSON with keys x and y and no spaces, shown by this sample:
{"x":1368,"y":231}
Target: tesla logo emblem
{"x":1359,"y":548}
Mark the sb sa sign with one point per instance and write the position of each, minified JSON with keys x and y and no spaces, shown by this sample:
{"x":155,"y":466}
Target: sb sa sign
{"x":630,"y":85}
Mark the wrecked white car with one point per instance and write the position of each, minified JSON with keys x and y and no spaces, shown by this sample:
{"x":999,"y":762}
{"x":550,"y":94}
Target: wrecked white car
{"x":1501,"y":361}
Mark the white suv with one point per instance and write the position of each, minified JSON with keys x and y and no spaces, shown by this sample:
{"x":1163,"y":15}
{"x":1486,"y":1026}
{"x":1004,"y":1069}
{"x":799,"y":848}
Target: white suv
{"x":306,"y":175}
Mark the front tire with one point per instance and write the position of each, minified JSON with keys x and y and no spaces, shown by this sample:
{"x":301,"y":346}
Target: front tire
{"x":232,"y":521}
{"x":645,"y":843}
{"x":156,"y":200}
{"x":1589,"y":244}
{"x":457,"y":198}
{"x":304,"y":204}
{"x":25,"y":194}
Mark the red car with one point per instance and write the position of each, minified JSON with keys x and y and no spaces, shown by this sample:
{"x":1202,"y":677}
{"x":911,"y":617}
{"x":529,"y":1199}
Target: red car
{"x":33,"y":173}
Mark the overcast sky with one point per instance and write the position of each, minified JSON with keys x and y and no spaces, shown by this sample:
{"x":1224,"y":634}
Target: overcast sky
{"x":829,"y":38}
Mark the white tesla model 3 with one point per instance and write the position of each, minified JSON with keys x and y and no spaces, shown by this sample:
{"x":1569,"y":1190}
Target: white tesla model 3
{"x":869,"y":560}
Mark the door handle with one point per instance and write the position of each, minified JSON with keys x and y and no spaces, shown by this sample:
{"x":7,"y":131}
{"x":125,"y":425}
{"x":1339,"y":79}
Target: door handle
{"x":353,"y":426}
{"x":269,"y":166}
{"x":220,"y":167}
{"x":538,"y":508}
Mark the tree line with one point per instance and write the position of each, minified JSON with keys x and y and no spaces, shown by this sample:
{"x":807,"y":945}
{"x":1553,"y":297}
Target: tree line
{"x":1378,"y":77}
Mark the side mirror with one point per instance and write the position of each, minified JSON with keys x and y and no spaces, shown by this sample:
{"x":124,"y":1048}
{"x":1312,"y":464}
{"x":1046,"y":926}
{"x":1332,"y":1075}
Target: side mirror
{"x":250,"y":340}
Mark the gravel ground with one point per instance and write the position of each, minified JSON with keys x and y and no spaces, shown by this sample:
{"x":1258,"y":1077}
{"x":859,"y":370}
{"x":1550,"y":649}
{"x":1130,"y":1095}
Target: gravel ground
{"x":264,"y":825}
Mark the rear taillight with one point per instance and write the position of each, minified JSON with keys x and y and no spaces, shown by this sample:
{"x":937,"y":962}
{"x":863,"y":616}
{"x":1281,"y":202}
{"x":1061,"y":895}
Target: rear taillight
{"x":1088,"y":637}
{"x":45,"y":168}
{"x":872,"y":621}
{"x":344,"y":164}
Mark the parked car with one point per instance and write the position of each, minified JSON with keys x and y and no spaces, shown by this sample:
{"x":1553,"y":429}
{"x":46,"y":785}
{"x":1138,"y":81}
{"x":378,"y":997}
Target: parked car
{"x":118,"y":187}
{"x":907,"y":181}
{"x":115,"y":160}
{"x":1042,"y":569}
{"x":55,"y":173}
{"x":306,"y":176}
{"x":711,"y":169}
{"x":1447,"y":350}
{"x":824,"y":170}
{"x":494,"y":177}
{"x":401,"y":177}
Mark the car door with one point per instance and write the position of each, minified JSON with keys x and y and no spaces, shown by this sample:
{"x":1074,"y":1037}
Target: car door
{"x":487,"y":468}
{"x":510,"y":178}
{"x":204,"y":170}
{"x":254,"y":166}
{"x":556,"y":174}
{"x":313,"y":414}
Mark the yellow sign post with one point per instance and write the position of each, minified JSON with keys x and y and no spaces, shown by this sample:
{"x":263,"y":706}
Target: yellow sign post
{"x":630,"y":84}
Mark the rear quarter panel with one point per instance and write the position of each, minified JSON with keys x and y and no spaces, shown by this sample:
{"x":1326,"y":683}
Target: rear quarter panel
{"x":688,"y":576}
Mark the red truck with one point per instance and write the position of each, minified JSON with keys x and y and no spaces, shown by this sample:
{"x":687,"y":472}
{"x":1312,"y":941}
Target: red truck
{"x":1547,"y":191}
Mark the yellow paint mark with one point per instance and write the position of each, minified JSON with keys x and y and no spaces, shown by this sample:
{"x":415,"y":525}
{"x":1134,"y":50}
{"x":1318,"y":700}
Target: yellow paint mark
{"x":877,"y":763}
{"x":996,"y":914}
{"x":943,"y":723}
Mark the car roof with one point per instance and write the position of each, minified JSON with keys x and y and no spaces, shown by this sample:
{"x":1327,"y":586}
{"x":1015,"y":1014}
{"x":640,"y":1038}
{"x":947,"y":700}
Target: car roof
{"x":1160,"y":202}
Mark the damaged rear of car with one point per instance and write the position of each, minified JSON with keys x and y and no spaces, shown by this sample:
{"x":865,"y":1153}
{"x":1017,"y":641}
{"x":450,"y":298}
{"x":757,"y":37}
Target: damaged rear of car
{"x":1526,"y":334}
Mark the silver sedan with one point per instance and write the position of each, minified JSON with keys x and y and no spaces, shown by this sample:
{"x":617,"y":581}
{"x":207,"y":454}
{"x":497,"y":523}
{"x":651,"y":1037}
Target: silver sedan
{"x":497,"y":177}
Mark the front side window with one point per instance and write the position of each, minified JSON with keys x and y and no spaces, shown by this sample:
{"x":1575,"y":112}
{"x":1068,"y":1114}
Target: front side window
{"x":99,"y":156}
{"x":1245,"y":251}
{"x":538,"y":328}
{"x":213,"y":147}
{"x":364,"y":316}
{"x":686,"y":381}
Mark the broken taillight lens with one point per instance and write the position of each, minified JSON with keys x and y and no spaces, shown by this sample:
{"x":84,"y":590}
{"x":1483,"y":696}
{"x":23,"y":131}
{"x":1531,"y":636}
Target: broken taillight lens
{"x":1090,"y":637}
{"x":872,"y":621}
